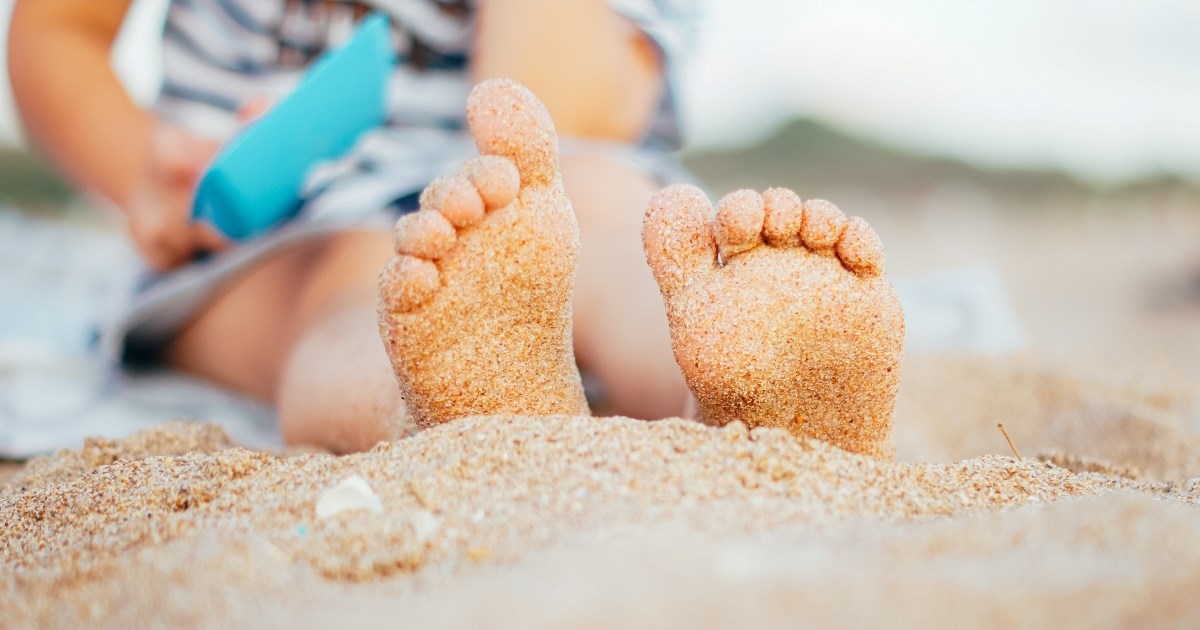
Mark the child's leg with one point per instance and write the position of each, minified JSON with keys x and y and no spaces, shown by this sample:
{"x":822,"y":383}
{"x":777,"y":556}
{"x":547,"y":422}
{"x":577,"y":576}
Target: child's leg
{"x":299,"y":331}
{"x":621,"y":334}
{"x":242,"y":339}
{"x":336,"y":388}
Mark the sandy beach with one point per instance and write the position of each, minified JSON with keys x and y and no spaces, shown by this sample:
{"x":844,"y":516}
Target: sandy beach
{"x":519,"y":522}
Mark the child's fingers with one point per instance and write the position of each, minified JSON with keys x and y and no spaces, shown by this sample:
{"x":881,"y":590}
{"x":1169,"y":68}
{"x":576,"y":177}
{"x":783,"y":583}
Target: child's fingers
{"x":167,"y":248}
{"x":208,"y":239}
{"x":253,"y":108}
{"x":204,"y":149}
{"x":194,"y":156}
{"x":163,"y":253}
{"x":161,"y":234}
{"x":160,"y":212}
{"x":179,"y":154}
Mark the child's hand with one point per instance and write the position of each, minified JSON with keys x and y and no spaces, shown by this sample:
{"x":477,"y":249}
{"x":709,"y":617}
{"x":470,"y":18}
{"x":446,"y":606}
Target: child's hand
{"x":159,"y":209}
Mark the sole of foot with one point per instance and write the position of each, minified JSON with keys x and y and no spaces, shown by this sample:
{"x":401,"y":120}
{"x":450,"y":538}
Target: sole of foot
{"x":780,"y":313}
{"x":475,"y":308}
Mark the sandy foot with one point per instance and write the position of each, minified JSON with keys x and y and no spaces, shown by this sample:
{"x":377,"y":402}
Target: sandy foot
{"x":793,"y":325}
{"x":475,"y":308}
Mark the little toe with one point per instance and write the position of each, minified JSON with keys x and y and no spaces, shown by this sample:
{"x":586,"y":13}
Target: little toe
{"x":784,"y":216}
{"x":823,"y":224}
{"x":860,"y":249}
{"x":506,"y":119}
{"x":677,"y":236}
{"x":739,"y":223}
{"x":495,"y":178}
{"x":455,"y":198}
{"x":425,"y":234}
{"x":406,"y":283}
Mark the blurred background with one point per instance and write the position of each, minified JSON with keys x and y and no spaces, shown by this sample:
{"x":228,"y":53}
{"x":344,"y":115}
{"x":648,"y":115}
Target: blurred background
{"x":1032,"y":168}
{"x":1103,"y":90}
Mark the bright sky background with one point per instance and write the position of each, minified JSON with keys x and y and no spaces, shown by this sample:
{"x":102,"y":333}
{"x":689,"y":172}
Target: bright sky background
{"x":1108,"y":89}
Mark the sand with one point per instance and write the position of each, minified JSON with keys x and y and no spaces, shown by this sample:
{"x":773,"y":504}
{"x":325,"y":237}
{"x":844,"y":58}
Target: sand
{"x":545,"y":521}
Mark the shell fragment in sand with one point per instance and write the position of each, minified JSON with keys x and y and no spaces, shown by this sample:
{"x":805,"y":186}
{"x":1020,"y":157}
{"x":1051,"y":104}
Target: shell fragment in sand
{"x":352,"y":493}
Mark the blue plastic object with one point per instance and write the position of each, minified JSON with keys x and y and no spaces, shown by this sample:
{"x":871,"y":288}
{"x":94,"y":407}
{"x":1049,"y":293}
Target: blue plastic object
{"x":254,"y":182}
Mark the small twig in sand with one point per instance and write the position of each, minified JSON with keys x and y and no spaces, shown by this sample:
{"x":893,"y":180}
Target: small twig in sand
{"x":1000,"y":425}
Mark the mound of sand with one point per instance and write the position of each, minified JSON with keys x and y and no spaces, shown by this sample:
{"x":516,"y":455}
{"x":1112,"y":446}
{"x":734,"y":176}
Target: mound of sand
{"x":949,"y":406}
{"x":546,"y":522}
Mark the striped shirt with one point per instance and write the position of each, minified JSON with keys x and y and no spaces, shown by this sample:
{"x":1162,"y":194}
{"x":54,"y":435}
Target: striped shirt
{"x":221,"y":54}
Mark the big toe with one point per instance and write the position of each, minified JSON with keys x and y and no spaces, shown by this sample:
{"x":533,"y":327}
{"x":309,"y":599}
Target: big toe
{"x":506,"y":119}
{"x":677,"y":236}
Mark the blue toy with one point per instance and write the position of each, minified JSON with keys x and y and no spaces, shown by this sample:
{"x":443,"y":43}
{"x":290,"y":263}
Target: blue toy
{"x":254,"y":182}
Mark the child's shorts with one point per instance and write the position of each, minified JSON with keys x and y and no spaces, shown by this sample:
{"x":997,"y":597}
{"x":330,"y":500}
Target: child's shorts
{"x":394,"y":165}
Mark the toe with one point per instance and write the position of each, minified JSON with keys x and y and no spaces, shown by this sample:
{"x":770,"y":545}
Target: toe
{"x":739,"y":223}
{"x":677,"y":236}
{"x":455,"y":198}
{"x":425,"y":234}
{"x":495,"y":178}
{"x":823,"y":224}
{"x":508,"y":120}
{"x":406,"y":283}
{"x":784,"y":216}
{"x":860,"y":249}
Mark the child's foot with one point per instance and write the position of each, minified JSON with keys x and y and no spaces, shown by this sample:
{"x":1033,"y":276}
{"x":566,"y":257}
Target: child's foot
{"x":794,"y":326}
{"x":475,"y":309}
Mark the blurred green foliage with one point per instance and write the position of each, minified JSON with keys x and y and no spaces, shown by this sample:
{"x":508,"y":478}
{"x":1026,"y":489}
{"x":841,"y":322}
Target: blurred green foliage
{"x":817,"y":160}
{"x":29,"y":183}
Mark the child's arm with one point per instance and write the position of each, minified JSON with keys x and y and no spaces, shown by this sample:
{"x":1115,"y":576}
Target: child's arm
{"x":598,"y":75}
{"x":74,"y":108}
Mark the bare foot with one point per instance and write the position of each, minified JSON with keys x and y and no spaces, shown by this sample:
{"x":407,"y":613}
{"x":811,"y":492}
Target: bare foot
{"x":794,"y":326}
{"x":475,"y":309}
